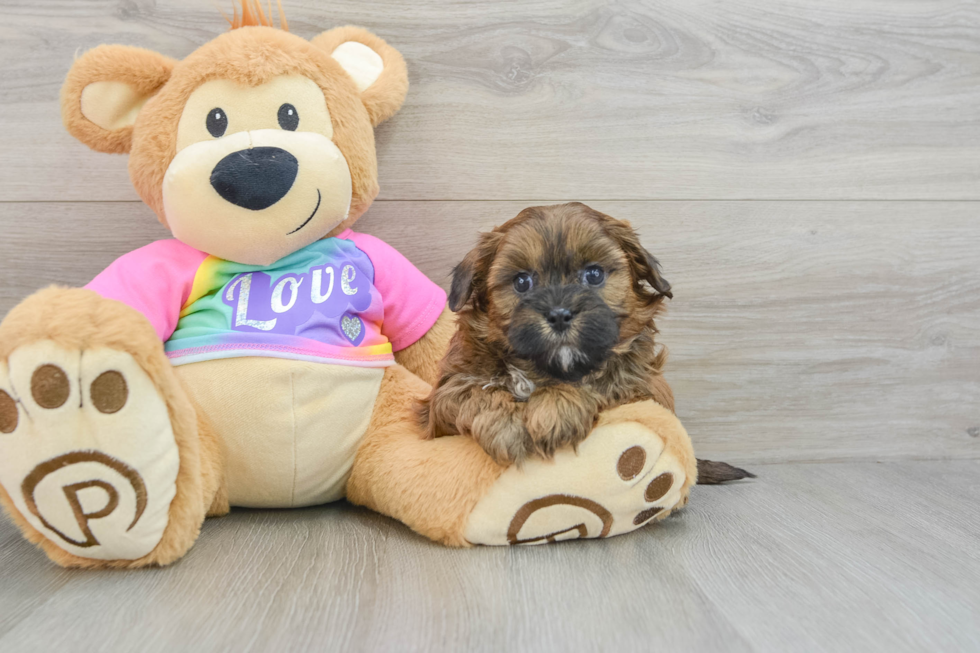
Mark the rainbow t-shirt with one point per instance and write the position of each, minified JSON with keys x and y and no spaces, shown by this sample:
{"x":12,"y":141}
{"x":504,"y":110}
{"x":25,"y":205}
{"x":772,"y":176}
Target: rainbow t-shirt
{"x":349,"y":300}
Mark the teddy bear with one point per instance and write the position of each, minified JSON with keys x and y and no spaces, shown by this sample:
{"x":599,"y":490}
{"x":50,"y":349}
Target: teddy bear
{"x":268,"y":355}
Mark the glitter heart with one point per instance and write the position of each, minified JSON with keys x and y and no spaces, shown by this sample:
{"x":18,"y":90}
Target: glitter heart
{"x":351,"y":327}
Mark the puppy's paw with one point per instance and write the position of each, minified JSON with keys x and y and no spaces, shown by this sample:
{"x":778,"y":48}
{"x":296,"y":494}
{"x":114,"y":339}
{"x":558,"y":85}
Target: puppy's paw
{"x":557,"y":417}
{"x":500,"y":431}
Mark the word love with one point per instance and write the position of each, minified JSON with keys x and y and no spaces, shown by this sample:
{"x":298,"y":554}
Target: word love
{"x":295,"y":304}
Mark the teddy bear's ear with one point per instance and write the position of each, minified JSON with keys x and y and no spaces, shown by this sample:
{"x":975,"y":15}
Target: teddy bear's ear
{"x":377,"y":69}
{"x":105,"y":90}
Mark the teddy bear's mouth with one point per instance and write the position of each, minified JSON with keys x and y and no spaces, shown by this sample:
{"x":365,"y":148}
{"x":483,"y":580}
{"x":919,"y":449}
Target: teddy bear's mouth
{"x":307,"y":221}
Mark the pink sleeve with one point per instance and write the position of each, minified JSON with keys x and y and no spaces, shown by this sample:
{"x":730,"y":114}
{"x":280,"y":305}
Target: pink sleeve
{"x":155,"y":280}
{"x":412,"y":301}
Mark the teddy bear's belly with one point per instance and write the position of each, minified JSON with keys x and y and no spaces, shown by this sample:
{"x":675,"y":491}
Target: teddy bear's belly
{"x":289,"y":429}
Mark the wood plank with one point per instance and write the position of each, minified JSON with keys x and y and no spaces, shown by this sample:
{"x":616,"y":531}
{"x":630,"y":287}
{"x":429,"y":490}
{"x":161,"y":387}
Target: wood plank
{"x":799,"y":330}
{"x":749,"y":99}
{"x":846,"y":556}
{"x":28,"y":578}
{"x":821,"y":557}
{"x":253,"y":581}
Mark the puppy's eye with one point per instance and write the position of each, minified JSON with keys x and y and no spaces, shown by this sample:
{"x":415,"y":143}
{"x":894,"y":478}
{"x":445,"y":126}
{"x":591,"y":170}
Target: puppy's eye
{"x":593,"y":275}
{"x":523,"y":282}
{"x":217,"y":122}
{"x":288,"y":117}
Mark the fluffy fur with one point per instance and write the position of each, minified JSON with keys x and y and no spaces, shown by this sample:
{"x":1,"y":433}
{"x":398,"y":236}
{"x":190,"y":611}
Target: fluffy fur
{"x":529,"y":370}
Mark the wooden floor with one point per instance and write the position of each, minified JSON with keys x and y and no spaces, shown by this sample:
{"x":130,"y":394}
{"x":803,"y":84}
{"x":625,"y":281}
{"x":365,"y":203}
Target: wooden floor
{"x":828,"y":557}
{"x":807,"y":172}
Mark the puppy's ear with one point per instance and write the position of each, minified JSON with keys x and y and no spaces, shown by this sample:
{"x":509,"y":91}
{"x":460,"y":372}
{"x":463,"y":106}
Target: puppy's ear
{"x":462,"y":287}
{"x":650,"y":272}
{"x":470,"y":276}
{"x":643,"y":265}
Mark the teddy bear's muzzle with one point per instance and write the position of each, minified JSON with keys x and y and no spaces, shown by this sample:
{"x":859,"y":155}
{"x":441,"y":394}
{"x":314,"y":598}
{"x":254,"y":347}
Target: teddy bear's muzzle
{"x":255,"y":178}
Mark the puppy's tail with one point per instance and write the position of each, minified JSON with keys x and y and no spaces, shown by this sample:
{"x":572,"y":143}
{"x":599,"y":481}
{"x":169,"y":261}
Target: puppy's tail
{"x":711,"y":472}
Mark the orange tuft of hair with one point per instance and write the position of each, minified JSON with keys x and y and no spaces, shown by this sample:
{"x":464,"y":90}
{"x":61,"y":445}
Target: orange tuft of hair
{"x":254,"y":16}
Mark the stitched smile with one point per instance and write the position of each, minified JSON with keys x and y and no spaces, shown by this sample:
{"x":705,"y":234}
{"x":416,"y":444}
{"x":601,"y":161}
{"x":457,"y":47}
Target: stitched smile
{"x":317,"y":208}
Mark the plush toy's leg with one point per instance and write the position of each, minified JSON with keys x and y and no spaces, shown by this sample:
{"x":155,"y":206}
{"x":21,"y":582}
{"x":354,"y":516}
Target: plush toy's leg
{"x":636,"y":466}
{"x":430,"y":485}
{"x":104,"y":461}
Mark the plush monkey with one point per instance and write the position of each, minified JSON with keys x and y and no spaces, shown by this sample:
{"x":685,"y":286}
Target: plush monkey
{"x":268,"y":355}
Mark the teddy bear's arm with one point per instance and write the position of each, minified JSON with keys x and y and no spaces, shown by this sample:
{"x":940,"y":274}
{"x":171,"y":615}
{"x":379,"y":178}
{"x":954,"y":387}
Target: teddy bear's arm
{"x":156,"y":280}
{"x":423,"y":356}
{"x":416,"y":319}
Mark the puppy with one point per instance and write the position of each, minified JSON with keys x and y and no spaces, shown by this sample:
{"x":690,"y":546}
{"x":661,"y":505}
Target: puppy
{"x":556,"y":323}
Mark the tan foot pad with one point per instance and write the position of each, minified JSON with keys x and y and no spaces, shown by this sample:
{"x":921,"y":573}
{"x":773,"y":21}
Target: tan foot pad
{"x":620,"y":480}
{"x":87,"y":453}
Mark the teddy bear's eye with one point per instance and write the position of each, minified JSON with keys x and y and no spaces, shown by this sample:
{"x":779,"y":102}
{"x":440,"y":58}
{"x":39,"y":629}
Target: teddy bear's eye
{"x":217,"y":122}
{"x":288,"y":117}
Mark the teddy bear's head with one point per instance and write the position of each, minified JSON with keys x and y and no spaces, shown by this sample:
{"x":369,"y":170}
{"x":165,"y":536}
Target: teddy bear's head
{"x":254,"y":146}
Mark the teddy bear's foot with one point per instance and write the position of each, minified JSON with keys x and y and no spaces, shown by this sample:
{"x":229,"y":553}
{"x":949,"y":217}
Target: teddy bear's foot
{"x":636,"y":466}
{"x":87,"y":452}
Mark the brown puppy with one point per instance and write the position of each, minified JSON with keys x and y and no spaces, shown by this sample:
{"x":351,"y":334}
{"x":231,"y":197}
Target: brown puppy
{"x":556,"y":311}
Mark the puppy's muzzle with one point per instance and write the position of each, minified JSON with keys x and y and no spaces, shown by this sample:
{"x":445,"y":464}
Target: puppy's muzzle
{"x":255,"y":178}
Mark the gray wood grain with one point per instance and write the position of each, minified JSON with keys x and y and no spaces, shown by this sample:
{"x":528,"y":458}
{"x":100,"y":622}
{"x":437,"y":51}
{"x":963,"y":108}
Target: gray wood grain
{"x":828,"y":557}
{"x":799,"y":330}
{"x":846,"y":332}
{"x":747,"y":99}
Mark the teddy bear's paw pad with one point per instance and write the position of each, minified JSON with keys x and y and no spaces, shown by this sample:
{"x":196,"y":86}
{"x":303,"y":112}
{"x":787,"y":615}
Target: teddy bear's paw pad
{"x":87,"y":452}
{"x":621,"y":479}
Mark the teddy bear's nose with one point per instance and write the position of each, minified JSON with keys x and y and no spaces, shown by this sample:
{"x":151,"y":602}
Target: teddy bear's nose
{"x":255,"y":178}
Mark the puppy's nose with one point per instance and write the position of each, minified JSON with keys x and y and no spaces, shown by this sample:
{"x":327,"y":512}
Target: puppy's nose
{"x":559,"y":319}
{"x":255,"y":178}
